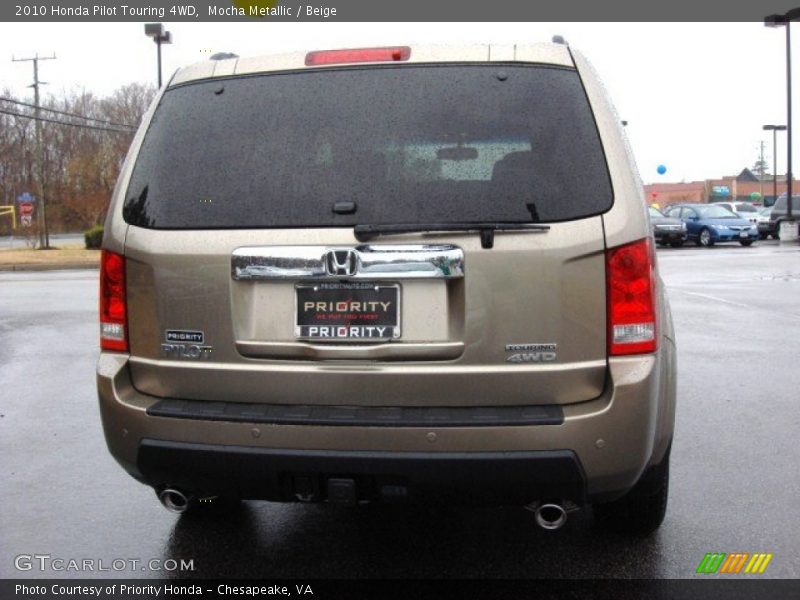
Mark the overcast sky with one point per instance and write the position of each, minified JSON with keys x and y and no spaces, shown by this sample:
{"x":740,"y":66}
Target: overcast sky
{"x":695,"y":94}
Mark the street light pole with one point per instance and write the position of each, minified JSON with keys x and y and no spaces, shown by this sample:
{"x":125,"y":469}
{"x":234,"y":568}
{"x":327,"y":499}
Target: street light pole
{"x":789,"y":175}
{"x":774,"y":129}
{"x":785,"y":21}
{"x":158,"y":45}
{"x":156,"y":31}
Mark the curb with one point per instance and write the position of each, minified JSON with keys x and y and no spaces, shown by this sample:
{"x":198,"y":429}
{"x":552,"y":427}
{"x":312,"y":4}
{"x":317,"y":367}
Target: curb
{"x":48,"y":267}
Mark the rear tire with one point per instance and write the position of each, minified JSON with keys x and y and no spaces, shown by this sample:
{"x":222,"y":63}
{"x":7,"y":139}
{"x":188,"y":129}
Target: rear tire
{"x":746,"y":242}
{"x":677,"y":244}
{"x":641,"y":511}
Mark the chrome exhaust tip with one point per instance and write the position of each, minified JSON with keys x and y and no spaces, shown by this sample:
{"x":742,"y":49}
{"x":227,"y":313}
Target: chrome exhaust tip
{"x":551,"y":516}
{"x":174,"y":500}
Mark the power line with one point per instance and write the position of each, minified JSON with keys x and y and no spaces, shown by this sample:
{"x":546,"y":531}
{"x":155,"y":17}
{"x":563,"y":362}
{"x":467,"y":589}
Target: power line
{"x":45,"y":119}
{"x":83,"y":125}
{"x":68,"y":114}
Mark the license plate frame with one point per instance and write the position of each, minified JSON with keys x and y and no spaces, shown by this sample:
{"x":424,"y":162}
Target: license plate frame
{"x":339,"y":329}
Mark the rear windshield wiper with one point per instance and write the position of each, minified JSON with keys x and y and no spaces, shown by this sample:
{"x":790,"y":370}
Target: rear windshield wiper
{"x":487,"y":229}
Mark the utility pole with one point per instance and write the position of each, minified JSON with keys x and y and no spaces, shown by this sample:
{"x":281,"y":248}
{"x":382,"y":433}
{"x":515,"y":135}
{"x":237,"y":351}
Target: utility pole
{"x":44,"y":236}
{"x":761,"y":172}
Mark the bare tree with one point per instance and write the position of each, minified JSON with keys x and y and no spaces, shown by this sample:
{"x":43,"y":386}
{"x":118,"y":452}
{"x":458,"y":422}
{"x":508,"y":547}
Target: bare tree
{"x":81,"y":163}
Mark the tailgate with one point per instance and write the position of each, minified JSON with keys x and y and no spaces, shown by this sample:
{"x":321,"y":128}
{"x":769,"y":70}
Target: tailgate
{"x":231,"y":316}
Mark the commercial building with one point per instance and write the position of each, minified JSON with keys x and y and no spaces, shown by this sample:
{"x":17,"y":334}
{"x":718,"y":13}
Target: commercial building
{"x":731,"y":187}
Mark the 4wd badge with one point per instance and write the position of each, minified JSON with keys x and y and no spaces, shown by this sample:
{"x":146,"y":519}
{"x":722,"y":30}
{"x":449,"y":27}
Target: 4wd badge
{"x":531,"y":353}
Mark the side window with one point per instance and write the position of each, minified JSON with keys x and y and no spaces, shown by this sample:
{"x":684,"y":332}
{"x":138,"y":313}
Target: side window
{"x":688,"y":213}
{"x":674,"y":212}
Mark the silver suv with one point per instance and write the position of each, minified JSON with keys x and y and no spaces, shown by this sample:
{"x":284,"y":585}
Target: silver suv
{"x":400,"y":274}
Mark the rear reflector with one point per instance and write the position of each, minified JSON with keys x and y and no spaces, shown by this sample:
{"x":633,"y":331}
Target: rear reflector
{"x":358,"y":55}
{"x":113,"y":309}
{"x":630,"y":278}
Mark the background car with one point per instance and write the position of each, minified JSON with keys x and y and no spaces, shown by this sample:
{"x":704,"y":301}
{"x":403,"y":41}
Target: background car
{"x":766,"y":227}
{"x":708,"y":224}
{"x":743,"y":209}
{"x":779,"y":212}
{"x":667,"y":230}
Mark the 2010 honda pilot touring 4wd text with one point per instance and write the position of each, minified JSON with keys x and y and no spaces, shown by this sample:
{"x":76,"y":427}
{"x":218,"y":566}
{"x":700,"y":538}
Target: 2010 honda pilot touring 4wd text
{"x":398,"y":274}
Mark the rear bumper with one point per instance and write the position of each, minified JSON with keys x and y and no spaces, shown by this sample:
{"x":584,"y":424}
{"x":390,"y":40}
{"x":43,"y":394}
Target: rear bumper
{"x":593,"y":450}
{"x":285,"y":475}
{"x":733,"y":236}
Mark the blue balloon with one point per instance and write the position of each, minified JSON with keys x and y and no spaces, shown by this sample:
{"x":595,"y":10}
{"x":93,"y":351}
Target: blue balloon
{"x":661,"y":169}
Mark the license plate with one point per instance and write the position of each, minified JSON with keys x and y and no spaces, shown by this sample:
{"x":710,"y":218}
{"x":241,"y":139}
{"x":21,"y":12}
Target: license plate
{"x":742,"y":234}
{"x":347,"y":312}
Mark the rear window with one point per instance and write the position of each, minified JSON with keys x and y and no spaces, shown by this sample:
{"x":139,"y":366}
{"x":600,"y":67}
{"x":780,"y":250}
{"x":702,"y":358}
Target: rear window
{"x":411,"y":144}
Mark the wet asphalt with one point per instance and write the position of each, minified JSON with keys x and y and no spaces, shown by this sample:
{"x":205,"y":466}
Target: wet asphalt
{"x":735,"y":460}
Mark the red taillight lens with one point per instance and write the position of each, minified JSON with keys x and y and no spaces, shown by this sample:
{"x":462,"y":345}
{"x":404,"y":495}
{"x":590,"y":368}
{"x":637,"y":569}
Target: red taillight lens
{"x":630,"y":277}
{"x":357,"y":55}
{"x":113,"y":309}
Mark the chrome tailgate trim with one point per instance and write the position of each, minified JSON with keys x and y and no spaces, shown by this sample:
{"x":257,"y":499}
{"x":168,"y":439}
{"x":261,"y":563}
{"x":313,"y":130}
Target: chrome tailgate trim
{"x":373,"y":262}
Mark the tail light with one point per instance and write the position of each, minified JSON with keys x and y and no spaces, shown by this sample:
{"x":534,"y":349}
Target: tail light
{"x":630,"y":278}
{"x":113,"y":308}
{"x":358,"y":55}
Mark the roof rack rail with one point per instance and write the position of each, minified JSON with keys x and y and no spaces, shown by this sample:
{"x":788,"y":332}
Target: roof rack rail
{"x":223,"y":56}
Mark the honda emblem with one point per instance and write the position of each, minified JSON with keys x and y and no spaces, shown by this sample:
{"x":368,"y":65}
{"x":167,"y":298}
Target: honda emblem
{"x":341,"y":262}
